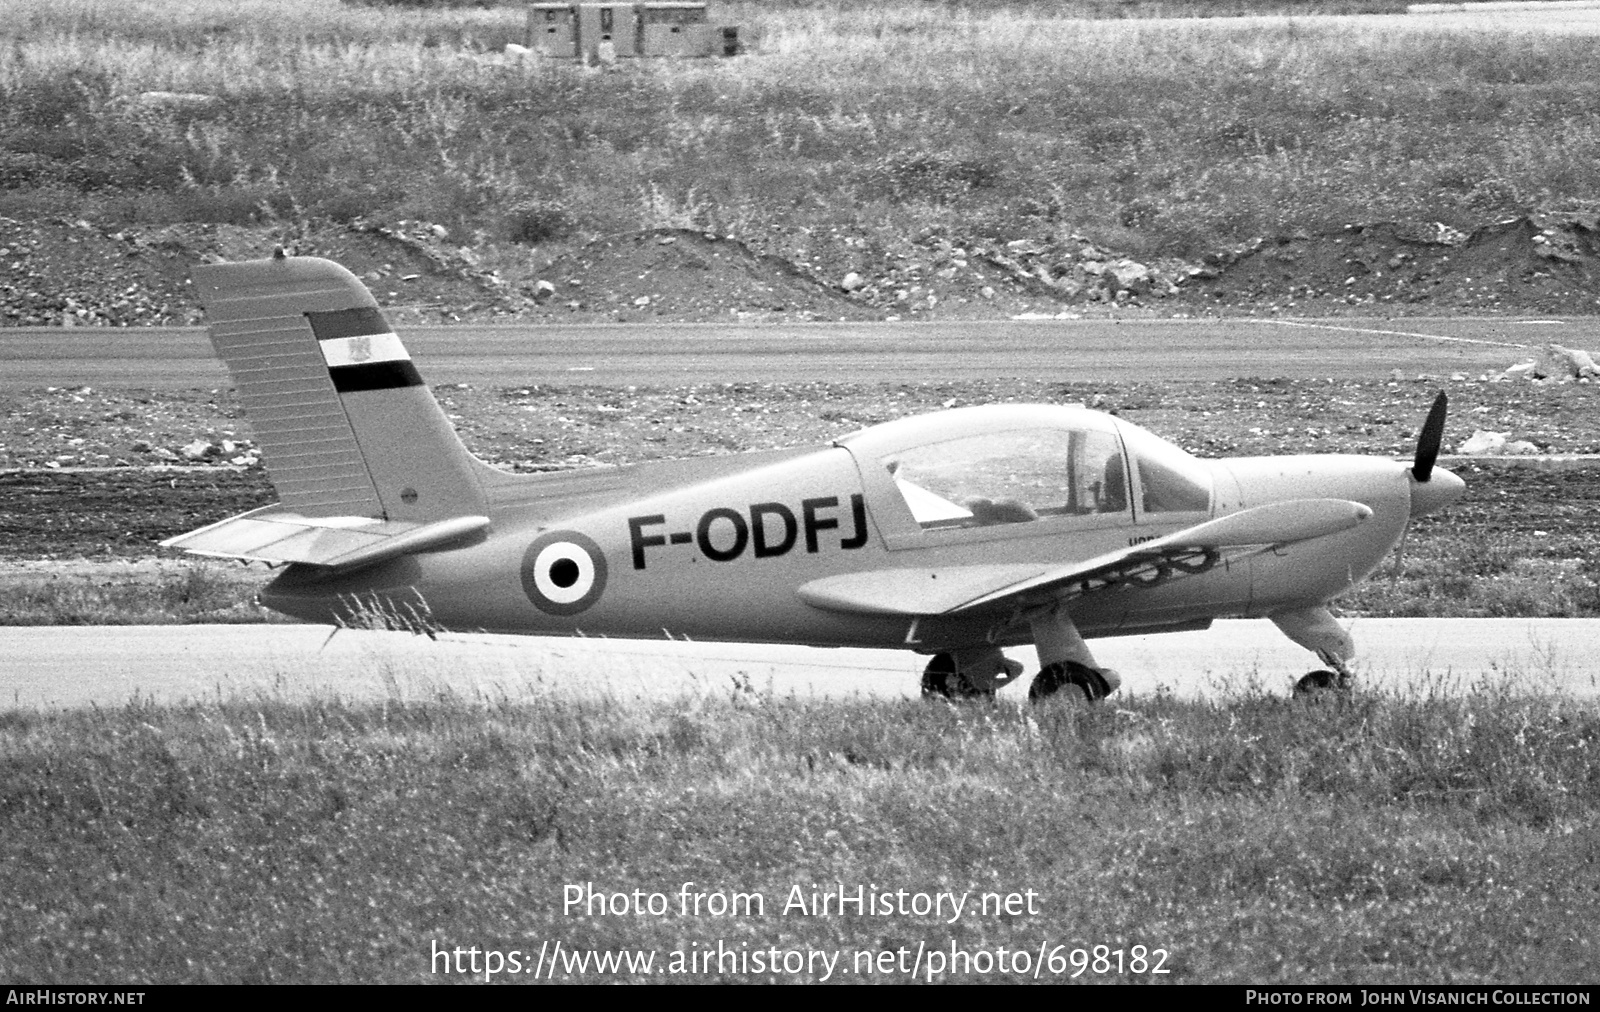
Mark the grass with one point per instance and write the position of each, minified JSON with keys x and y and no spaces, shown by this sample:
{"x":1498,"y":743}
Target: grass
{"x":176,"y":594}
{"x":1391,"y":839}
{"x":1479,"y":574}
{"x":867,"y":124}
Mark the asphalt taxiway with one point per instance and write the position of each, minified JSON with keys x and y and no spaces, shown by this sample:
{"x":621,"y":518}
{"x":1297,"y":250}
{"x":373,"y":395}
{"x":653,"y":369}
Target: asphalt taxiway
{"x":111,"y":666}
{"x":1538,"y":17}
{"x":1089,"y":350}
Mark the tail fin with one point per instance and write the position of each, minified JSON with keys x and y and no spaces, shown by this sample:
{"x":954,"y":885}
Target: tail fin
{"x":345,"y":424}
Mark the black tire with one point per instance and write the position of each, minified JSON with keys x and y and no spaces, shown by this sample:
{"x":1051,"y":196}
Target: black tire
{"x":941,"y":680}
{"x":1055,"y":677}
{"x":1318,"y":683}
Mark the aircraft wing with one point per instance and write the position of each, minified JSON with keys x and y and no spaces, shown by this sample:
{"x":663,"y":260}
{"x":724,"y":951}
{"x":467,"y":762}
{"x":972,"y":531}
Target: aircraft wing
{"x":272,"y":534}
{"x":950,"y":590}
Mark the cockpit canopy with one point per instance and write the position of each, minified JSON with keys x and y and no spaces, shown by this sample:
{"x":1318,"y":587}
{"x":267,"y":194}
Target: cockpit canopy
{"x":1006,"y":464}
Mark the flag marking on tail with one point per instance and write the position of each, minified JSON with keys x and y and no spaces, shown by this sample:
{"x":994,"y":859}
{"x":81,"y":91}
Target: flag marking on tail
{"x":341,"y":351}
{"x":362,"y":351}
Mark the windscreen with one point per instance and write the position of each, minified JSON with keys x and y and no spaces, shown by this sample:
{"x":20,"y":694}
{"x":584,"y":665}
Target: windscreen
{"x":1170,"y":480}
{"x":1011,"y":477}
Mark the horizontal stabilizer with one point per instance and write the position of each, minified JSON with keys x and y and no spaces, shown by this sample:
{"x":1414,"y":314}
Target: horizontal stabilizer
{"x":270,"y":535}
{"x":1189,"y":552}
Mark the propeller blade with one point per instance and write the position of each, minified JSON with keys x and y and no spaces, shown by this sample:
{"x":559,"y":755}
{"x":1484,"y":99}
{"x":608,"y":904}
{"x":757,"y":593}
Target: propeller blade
{"x":1428,"y":442}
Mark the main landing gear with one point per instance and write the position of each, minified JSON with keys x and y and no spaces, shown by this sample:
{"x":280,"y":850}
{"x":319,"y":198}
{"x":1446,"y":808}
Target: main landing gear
{"x":1066,"y":666}
{"x":1093,"y":683}
{"x":1317,"y":630}
{"x":968,"y":674}
{"x":1065,"y":662}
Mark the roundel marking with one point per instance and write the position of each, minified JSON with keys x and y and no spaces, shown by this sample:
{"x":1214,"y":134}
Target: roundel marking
{"x":563,"y":572}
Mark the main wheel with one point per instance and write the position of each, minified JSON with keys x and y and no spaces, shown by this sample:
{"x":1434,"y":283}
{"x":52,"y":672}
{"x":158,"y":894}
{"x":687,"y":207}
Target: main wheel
{"x":1052,"y":678}
{"x":1317,"y":683}
{"x":941,"y":680}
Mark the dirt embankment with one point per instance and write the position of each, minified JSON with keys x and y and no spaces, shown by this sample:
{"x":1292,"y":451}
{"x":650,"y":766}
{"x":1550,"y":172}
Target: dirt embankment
{"x":61,"y":272}
{"x":1540,"y":263}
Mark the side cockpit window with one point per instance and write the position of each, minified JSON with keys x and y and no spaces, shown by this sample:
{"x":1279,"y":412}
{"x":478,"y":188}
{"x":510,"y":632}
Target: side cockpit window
{"x":1012,"y":477}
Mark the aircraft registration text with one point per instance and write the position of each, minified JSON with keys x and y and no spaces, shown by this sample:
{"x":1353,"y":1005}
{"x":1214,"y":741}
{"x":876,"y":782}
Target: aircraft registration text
{"x":767,"y":529}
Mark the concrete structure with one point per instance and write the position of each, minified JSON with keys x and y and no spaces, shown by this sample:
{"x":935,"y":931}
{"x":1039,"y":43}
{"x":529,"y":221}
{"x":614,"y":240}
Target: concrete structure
{"x":601,"y":32}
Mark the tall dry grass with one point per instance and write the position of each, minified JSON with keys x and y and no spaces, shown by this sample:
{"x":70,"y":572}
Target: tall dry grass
{"x":868,"y":122}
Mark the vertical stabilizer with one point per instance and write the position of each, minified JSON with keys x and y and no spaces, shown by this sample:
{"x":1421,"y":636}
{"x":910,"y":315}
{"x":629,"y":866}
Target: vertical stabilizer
{"x":345,"y":424}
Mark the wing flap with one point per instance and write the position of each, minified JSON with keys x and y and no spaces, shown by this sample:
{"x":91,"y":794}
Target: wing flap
{"x":1189,"y":552}
{"x":271,"y":535}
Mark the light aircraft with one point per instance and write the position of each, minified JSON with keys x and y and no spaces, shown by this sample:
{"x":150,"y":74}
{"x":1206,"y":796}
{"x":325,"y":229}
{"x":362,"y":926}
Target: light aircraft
{"x":952,"y":534}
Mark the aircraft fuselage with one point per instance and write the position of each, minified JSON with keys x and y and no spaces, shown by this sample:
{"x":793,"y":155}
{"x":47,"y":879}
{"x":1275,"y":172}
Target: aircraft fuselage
{"x":720,"y":558}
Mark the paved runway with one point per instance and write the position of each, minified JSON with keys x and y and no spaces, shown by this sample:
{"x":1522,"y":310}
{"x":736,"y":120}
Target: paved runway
{"x":1547,"y":18}
{"x":111,"y":665}
{"x":1105,"y":350}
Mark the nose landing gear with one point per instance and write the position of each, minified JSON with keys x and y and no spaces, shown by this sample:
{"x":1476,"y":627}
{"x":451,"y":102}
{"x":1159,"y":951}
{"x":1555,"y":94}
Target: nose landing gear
{"x":1317,"y":630}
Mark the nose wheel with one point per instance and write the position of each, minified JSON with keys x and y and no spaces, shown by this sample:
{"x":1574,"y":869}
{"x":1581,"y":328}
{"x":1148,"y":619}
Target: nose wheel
{"x":1322,"y":682}
{"x":1318,"y":682}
